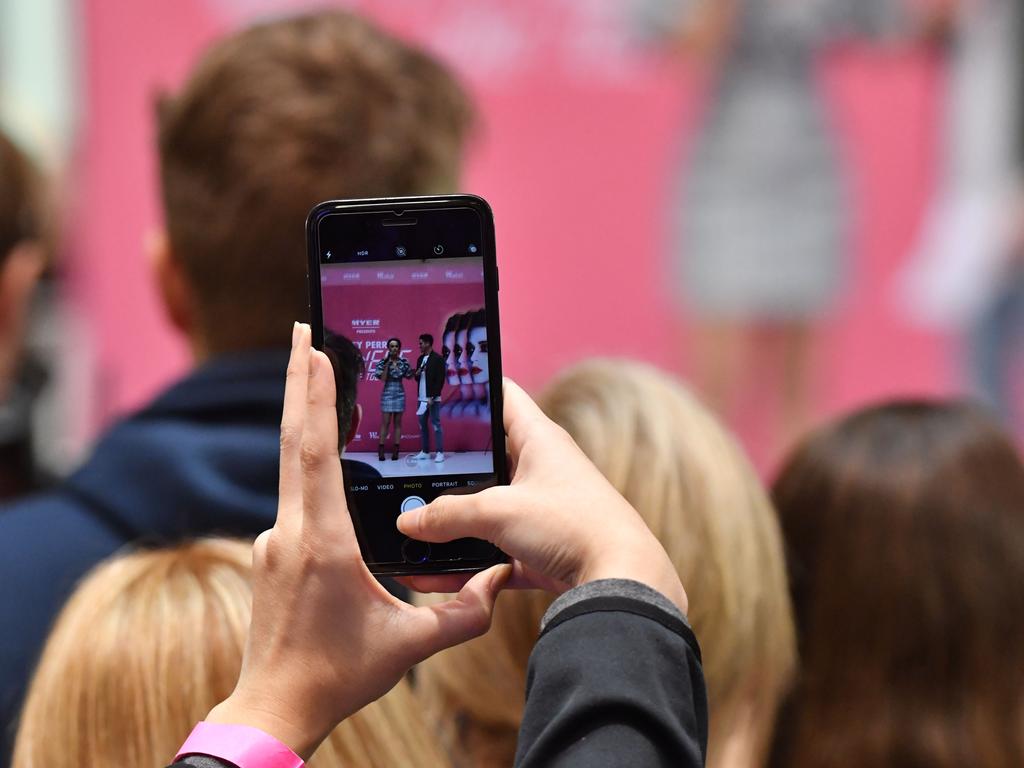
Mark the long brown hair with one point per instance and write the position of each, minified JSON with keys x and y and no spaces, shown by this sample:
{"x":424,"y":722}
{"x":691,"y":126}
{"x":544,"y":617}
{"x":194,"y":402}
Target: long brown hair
{"x":904,"y":527}
{"x":697,"y":492}
{"x":148,"y":644}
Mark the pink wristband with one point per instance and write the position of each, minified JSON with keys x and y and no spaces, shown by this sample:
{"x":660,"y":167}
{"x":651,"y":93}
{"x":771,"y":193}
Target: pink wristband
{"x":241,"y":745}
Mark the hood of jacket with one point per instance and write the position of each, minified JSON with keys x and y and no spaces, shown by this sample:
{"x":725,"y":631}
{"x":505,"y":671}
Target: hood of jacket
{"x":201,"y":459}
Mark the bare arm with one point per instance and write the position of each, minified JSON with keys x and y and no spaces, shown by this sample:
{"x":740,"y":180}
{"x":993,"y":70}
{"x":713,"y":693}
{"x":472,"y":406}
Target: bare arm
{"x":707,"y":29}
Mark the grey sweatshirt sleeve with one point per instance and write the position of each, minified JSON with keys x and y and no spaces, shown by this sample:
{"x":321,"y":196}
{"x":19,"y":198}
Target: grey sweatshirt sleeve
{"x":615,"y":679}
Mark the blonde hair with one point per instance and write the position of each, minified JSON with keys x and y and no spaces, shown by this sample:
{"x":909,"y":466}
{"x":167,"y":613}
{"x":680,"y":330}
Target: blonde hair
{"x":148,"y":644}
{"x":696,"y":490}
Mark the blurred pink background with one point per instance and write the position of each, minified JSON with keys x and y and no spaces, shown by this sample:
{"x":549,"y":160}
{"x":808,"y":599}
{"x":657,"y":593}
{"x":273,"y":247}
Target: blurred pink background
{"x":578,"y":145}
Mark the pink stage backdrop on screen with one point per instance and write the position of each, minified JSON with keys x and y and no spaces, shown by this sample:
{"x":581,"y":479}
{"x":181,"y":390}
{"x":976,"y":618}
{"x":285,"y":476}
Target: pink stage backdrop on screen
{"x":370,"y":305}
{"x":571,"y":109}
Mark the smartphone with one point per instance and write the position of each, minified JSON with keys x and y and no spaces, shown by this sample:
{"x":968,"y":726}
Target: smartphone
{"x":404,"y":302}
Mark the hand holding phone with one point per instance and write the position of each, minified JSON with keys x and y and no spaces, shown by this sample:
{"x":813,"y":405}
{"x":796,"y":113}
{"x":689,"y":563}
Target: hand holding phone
{"x":326,"y":638}
{"x":560,"y":520}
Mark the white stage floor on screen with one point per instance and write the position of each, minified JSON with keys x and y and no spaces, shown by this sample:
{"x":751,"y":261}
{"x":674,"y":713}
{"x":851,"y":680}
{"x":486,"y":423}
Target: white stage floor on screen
{"x":454,"y":464}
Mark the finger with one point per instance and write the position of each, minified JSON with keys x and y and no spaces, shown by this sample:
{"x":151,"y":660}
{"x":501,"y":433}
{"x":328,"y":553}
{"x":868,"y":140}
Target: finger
{"x":512,"y":462}
{"x":445,"y":583}
{"x":452,"y":517}
{"x":468,"y":615}
{"x":525,"y":577}
{"x":521,"y":577}
{"x":293,"y":418}
{"x":521,"y":414}
{"x":323,"y":490}
{"x":259,"y":551}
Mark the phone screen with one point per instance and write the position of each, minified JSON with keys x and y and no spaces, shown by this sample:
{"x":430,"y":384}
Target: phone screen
{"x":405,"y":313}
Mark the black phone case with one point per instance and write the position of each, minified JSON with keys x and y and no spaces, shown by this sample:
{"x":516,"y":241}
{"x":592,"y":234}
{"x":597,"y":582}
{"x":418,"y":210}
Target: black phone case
{"x":410,"y":205}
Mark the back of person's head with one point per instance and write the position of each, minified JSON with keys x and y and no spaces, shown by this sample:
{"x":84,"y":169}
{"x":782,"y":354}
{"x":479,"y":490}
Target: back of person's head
{"x":696,"y":490}
{"x":904,"y":530}
{"x":349,"y":366}
{"x":273,"y":120}
{"x":148,"y":644}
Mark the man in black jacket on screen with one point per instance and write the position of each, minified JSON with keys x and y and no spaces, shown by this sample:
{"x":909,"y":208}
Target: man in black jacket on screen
{"x":430,"y":375}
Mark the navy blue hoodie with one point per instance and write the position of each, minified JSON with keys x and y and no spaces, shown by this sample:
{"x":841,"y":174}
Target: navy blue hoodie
{"x":201,"y":459}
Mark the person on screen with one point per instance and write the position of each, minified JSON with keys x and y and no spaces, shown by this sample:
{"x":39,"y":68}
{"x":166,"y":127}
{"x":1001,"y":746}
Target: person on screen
{"x":448,"y":353}
{"x":430,"y":375}
{"x":466,"y":406}
{"x":476,"y":341}
{"x":349,"y":367}
{"x":392,"y":370}
{"x":263,"y":129}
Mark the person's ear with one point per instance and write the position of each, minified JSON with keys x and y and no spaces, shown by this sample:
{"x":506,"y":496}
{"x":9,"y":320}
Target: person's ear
{"x":353,"y":427}
{"x":20,"y":270}
{"x":175,"y":290}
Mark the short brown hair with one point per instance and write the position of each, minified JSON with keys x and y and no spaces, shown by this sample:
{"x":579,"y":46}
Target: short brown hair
{"x":21,"y":214}
{"x":904,"y":528}
{"x":275,"y":119}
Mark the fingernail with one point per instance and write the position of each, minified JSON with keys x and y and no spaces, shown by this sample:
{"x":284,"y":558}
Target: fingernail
{"x":296,"y":332}
{"x":408,"y":520}
{"x":501,"y":577}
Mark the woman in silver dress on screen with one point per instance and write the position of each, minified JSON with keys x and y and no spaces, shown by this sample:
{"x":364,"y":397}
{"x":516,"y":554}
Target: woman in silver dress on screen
{"x":392,"y":370}
{"x":763,"y":215}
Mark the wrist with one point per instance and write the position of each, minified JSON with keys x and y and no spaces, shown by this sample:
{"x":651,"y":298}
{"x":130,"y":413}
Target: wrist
{"x":666,"y":584}
{"x":240,"y":745}
{"x":273,"y":718}
{"x":645,"y":563}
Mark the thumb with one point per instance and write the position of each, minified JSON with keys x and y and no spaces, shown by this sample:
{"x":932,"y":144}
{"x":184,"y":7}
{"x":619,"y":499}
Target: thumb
{"x":452,"y":516}
{"x":521,"y":415}
{"x":466,"y":616}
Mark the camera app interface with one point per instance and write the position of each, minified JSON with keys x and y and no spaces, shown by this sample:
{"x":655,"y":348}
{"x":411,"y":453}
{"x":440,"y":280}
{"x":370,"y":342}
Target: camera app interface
{"x":403,"y":304}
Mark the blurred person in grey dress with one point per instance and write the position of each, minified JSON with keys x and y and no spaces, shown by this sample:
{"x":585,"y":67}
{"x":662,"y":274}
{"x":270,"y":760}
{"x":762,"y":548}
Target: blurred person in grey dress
{"x":762,"y":219}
